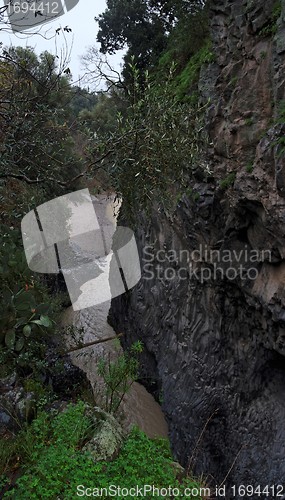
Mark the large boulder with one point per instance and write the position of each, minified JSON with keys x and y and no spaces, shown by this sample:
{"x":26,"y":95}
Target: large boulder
{"x":108,"y":436}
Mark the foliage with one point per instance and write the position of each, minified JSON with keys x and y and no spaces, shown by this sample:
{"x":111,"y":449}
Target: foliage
{"x":249,"y":121}
{"x":228,"y":181}
{"x":81,"y":99}
{"x":280,"y":143}
{"x":36,"y":141}
{"x":249,"y":168}
{"x":135,"y":25}
{"x":69,"y":428}
{"x":38,"y":156}
{"x":101,"y":119}
{"x":118,"y":376}
{"x":149,"y":141}
{"x":26,"y":308}
{"x":234,"y":80}
{"x":155,"y":145}
{"x":189,"y":76}
{"x":141,"y":25}
{"x":53,"y":465}
{"x":271,"y":26}
{"x":281,"y":113}
{"x":188,"y":36}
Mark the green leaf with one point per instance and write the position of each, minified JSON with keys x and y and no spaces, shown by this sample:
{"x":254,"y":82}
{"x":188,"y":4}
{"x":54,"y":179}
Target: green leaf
{"x":42,"y":308}
{"x":21,"y":321}
{"x":10,"y":338}
{"x":27,"y":330}
{"x":46,"y":321}
{"x":6,"y":294}
{"x":20,"y":344}
{"x":12,"y":263}
{"x":23,"y":307}
{"x":25,"y":301}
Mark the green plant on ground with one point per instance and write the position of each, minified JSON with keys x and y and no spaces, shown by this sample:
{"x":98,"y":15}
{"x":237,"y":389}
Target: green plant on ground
{"x":42,"y":394}
{"x":249,"y":168}
{"x":53,"y":464}
{"x":271,"y":26}
{"x":228,"y":181}
{"x":249,"y":121}
{"x":190,"y":74}
{"x":118,"y":375}
{"x":263,"y":133}
{"x":234,"y":80}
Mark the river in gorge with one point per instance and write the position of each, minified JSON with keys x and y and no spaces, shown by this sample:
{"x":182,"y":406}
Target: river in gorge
{"x":90,"y":324}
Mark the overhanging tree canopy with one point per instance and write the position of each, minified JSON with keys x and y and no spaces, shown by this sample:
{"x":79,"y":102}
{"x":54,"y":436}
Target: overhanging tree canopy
{"x":141,"y":25}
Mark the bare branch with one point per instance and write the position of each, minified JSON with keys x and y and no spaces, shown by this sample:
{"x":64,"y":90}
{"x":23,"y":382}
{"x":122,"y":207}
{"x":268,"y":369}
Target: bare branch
{"x":95,"y":342}
{"x":99,"y":69}
{"x":21,"y":177}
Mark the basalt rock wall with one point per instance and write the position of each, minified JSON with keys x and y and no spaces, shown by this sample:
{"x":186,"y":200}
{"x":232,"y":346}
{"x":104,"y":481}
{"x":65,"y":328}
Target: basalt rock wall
{"x":213,"y":321}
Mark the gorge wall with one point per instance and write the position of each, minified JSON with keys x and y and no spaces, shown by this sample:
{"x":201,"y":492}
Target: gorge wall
{"x":216,"y":350}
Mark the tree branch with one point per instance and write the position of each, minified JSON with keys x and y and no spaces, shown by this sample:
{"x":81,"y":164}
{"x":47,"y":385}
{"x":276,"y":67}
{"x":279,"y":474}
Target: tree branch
{"x":21,"y":177}
{"x":95,"y":342}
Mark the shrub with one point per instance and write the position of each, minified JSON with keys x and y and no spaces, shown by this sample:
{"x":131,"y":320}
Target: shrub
{"x":228,"y":181}
{"x":186,"y":39}
{"x":155,"y":147}
{"x":119,"y":375}
{"x":27,"y":310}
{"x":249,"y":168}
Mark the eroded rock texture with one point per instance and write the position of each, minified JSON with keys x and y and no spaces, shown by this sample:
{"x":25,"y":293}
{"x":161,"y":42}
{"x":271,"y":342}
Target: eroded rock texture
{"x":217,"y":349}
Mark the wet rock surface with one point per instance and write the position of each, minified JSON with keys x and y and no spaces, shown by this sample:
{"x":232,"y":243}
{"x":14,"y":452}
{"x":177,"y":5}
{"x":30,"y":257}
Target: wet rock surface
{"x":108,"y":436}
{"x":216,"y":349}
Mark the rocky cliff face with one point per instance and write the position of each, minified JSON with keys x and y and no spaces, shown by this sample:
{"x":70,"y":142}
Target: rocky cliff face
{"x":213,"y":321}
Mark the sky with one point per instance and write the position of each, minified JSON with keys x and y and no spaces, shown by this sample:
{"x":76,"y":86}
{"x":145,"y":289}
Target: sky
{"x":84,"y":30}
